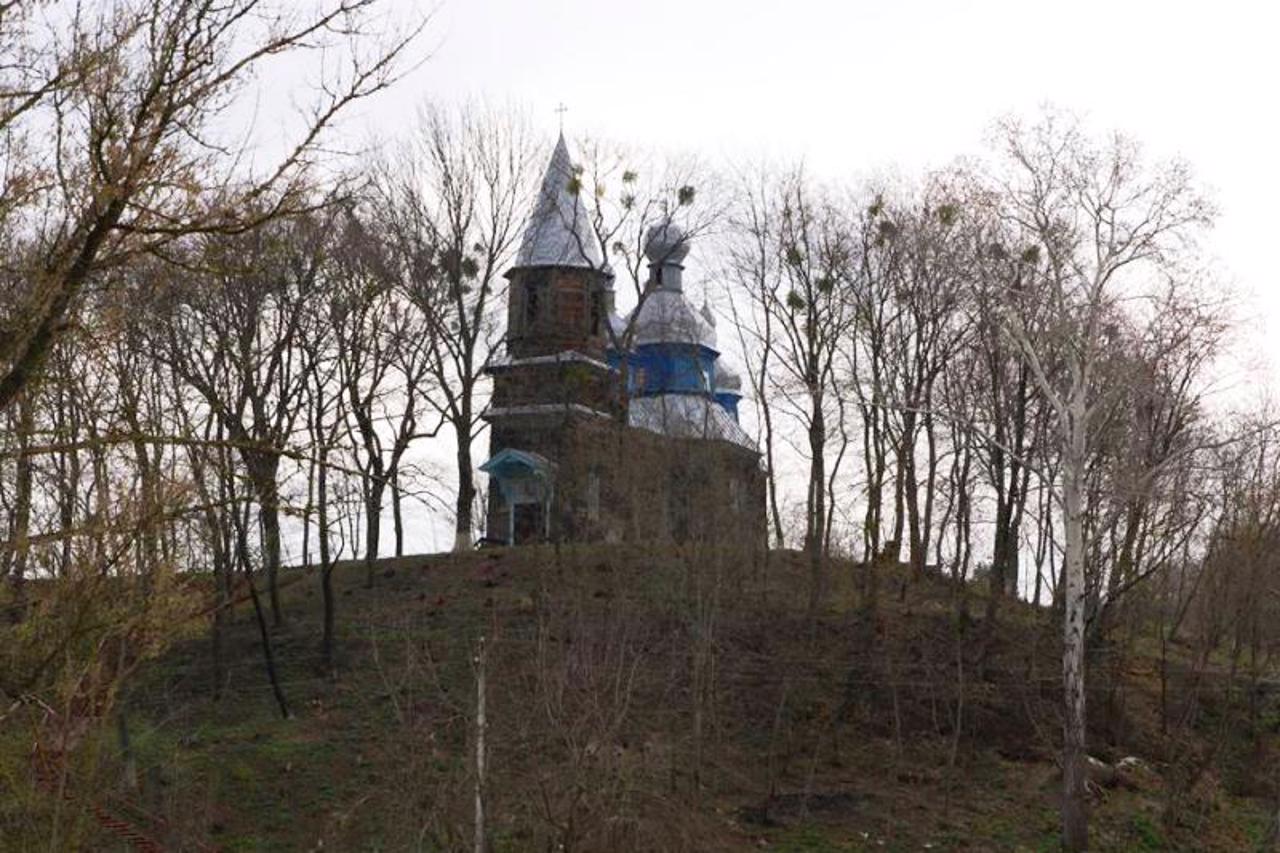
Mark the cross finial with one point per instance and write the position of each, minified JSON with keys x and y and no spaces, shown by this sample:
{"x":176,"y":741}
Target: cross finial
{"x":561,"y":110}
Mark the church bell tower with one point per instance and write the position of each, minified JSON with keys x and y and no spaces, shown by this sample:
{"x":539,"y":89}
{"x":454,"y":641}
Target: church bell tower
{"x":560,"y":286}
{"x":554,"y":371}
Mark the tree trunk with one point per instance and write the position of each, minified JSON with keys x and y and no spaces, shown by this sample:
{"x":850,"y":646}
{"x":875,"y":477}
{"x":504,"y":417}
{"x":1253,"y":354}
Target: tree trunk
{"x":264,"y":468}
{"x":893,"y":547}
{"x":816,"y":523}
{"x":1011,"y":522}
{"x":1044,"y":500}
{"x":101,"y":537}
{"x":307,"y":510}
{"x":220,"y":522}
{"x":466,"y":488}
{"x":876,"y":464}
{"x":270,"y":515}
{"x":1075,"y":819}
{"x":148,"y":533}
{"x":772,"y":472}
{"x":268,"y":653}
{"x":22,"y":507}
{"x":397,"y":515}
{"x":326,"y":562}
{"x":904,"y":498}
{"x":221,"y":603}
{"x":1124,"y":569}
{"x":372,"y":524}
{"x":915,"y":555}
{"x":759,"y":385}
{"x":148,"y":481}
{"x":930,"y":491}
{"x":68,"y":480}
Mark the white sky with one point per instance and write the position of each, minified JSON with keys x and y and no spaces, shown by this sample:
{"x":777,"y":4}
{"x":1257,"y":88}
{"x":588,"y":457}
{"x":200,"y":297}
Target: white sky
{"x":857,"y":88}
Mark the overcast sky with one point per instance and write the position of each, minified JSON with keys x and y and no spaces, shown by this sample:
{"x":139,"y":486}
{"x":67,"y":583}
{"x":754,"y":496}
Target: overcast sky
{"x":858,"y":88}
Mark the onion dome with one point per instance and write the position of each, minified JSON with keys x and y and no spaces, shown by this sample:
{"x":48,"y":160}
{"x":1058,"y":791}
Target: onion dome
{"x":727,"y":379}
{"x":664,"y":316}
{"x":666,"y":244}
{"x":559,"y":232}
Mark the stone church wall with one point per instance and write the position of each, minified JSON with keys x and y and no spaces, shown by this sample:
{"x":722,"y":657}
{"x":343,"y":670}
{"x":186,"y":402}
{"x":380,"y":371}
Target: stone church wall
{"x":616,"y":483}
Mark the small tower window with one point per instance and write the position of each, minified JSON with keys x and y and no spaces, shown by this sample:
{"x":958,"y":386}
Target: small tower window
{"x":533,"y":290}
{"x":597,"y":310}
{"x":531,"y":305}
{"x":572,"y":310}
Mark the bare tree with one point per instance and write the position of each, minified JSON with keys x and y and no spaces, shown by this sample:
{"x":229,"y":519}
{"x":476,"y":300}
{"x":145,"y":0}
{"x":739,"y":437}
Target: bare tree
{"x":1162,"y":424}
{"x":326,"y":417}
{"x":1007,"y":409}
{"x":129,"y":95}
{"x":800,"y":262}
{"x":1090,"y":221}
{"x":383,"y":351}
{"x":752,"y":269}
{"x":933,"y":249}
{"x":452,"y":210}
{"x":633,"y":201}
{"x":233,"y":335}
{"x":16,"y":554}
{"x":870,"y":354}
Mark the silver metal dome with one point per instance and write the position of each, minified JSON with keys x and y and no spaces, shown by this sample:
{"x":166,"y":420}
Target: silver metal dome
{"x":727,"y":379}
{"x":666,"y":243}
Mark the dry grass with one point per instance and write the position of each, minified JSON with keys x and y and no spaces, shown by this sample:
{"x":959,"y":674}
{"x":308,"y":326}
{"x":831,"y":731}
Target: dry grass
{"x":673,"y":700}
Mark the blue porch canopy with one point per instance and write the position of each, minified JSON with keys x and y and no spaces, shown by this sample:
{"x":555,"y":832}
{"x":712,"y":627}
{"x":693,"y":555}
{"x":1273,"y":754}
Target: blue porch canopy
{"x":511,"y":467}
{"x":526,"y":481}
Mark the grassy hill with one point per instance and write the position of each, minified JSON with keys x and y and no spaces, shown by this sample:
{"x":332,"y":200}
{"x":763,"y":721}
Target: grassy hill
{"x":680,"y":700}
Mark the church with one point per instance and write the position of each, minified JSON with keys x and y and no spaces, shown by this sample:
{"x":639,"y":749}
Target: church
{"x":608,"y":428}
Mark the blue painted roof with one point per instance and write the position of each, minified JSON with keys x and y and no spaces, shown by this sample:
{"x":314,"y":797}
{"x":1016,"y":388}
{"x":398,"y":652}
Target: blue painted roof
{"x":510,"y":462}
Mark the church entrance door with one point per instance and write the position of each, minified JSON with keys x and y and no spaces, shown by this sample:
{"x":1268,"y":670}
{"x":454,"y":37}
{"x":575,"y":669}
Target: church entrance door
{"x":528,"y":524}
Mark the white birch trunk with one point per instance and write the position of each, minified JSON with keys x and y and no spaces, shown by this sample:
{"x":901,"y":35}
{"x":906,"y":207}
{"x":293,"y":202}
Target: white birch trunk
{"x":1075,"y":825}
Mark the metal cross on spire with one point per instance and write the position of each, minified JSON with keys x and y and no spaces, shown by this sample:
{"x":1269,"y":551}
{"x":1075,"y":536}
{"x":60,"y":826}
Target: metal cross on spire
{"x":561,"y":110}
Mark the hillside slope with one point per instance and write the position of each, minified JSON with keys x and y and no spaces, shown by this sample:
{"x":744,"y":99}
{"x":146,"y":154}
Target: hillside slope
{"x":679,"y":700}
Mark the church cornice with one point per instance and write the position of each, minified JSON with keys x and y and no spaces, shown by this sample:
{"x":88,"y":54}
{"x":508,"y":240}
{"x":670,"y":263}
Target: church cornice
{"x":569,"y":357}
{"x":540,"y":409}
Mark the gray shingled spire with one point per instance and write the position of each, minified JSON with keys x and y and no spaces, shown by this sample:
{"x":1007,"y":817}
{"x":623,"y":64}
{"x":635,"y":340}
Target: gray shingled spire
{"x":559,"y":232}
